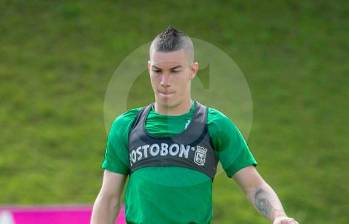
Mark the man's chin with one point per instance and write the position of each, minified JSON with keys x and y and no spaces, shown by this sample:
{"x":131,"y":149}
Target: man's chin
{"x":167,"y":103}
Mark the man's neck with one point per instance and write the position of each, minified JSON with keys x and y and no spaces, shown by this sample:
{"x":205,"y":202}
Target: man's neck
{"x":177,"y":110}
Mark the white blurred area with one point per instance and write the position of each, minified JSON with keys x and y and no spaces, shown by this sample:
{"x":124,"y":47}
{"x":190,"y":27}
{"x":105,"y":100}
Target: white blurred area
{"x":6,"y":218}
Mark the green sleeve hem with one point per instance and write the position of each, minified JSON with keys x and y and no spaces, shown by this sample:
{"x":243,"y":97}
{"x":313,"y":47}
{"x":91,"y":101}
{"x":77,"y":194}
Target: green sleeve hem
{"x":233,"y":169}
{"x":114,"y":169}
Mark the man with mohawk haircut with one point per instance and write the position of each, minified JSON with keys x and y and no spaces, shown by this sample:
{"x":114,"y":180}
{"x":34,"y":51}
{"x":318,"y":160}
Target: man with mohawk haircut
{"x":170,"y":149}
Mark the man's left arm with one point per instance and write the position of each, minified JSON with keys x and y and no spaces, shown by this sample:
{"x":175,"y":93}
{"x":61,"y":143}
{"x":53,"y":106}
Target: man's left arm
{"x":262,"y":196}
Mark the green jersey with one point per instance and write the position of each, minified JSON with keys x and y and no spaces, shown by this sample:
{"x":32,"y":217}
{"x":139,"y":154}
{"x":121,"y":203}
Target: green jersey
{"x":170,"y":194}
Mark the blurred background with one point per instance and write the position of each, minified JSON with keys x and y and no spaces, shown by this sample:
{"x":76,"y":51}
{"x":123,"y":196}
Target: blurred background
{"x":57,"y":57}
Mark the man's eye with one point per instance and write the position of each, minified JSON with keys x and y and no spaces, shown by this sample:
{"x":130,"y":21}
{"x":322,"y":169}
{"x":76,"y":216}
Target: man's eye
{"x":175,"y":71}
{"x":156,"y":71}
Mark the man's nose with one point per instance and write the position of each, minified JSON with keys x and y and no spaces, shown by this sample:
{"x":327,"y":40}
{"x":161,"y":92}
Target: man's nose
{"x":165,"y":80}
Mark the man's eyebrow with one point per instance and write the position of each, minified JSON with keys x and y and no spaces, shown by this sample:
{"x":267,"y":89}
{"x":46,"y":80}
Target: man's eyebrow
{"x":178,"y":66}
{"x":154,"y":67}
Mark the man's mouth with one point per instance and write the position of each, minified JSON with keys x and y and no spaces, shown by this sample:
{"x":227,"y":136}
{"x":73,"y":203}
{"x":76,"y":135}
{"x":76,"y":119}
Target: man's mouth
{"x":165,"y":93}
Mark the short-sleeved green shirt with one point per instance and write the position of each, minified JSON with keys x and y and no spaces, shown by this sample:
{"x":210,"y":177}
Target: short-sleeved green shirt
{"x":173,"y":195}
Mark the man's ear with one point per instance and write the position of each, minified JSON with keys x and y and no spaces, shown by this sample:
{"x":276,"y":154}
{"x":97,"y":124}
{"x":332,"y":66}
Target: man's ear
{"x":194,"y":69}
{"x":148,"y":65}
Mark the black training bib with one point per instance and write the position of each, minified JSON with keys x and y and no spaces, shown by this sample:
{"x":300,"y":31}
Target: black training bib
{"x":191,"y":149}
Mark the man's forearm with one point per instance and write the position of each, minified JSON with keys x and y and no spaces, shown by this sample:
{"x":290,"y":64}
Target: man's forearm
{"x":104,"y":210}
{"x":265,"y":200}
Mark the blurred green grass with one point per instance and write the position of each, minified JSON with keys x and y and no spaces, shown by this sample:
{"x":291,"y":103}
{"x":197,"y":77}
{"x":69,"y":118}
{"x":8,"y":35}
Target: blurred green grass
{"x":56,"y":58}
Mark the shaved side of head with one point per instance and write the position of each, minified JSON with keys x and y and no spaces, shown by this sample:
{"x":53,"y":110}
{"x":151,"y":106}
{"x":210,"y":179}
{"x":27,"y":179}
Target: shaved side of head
{"x":172,"y":40}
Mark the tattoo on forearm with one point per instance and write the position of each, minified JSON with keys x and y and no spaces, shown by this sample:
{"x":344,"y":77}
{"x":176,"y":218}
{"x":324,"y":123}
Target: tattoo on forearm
{"x":262,"y":202}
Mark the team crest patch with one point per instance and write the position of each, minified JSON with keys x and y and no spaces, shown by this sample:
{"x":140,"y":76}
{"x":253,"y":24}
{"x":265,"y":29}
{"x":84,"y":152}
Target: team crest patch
{"x":200,"y":155}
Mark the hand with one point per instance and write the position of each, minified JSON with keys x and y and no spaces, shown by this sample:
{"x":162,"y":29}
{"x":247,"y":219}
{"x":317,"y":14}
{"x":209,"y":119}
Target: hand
{"x":284,"y":220}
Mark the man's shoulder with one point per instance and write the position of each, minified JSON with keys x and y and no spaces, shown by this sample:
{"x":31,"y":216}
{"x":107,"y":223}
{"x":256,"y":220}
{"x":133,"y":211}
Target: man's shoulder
{"x":126,"y":118}
{"x":216,"y":116}
{"x":219,"y":122}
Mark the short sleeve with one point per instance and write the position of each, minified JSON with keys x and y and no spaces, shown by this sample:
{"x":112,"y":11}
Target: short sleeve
{"x":231,"y":147}
{"x":116,"y":151}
